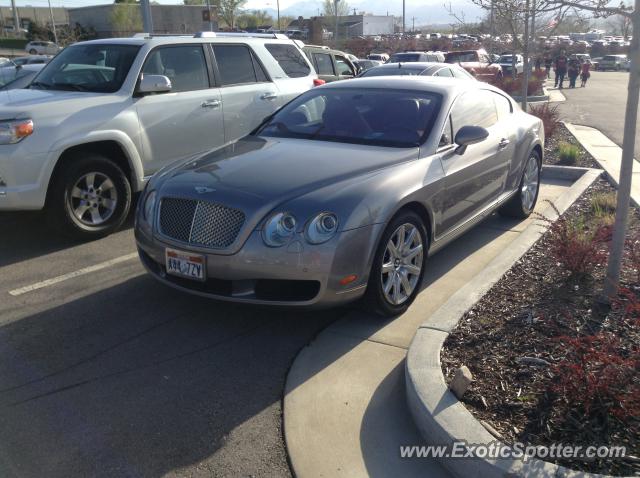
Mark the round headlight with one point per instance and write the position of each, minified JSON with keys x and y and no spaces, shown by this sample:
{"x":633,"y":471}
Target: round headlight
{"x":322,"y":228}
{"x":149,"y":206}
{"x":279,"y":229}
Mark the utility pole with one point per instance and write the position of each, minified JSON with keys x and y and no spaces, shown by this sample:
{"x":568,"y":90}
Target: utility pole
{"x":209,"y":10}
{"x":53,"y":24}
{"x":278,"y":7}
{"x":335,"y":35}
{"x":403,"y":12}
{"x":147,"y":21}
{"x":413,"y":24}
{"x":525,"y":73}
{"x":626,"y":166}
{"x":16,"y":20}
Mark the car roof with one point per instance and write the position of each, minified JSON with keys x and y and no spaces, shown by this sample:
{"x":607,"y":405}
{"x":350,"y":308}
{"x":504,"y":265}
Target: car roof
{"x":445,"y":86}
{"x":413,"y":65}
{"x":140,"y":40}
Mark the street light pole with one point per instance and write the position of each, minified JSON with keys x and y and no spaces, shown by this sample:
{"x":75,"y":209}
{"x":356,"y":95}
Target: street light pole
{"x":53,"y":24}
{"x":335,"y":8}
{"x":403,"y":13}
{"x":147,"y":21}
{"x":208,"y":10}
{"x":278,"y":5}
{"x":16,"y":20}
{"x":525,"y":73}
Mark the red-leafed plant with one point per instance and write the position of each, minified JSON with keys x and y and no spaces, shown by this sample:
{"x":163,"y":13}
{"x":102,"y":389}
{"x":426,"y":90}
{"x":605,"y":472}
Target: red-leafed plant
{"x":549,"y":115}
{"x":599,"y":376}
{"x":578,"y":248}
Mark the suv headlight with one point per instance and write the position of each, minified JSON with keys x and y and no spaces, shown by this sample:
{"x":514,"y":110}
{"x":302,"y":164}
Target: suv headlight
{"x":279,"y":229}
{"x":15,"y":131}
{"x":321,"y":228}
{"x":149,"y":206}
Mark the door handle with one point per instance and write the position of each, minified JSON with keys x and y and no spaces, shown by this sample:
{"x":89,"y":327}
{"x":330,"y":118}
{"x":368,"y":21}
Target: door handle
{"x":210,"y":104}
{"x":268,"y":96}
{"x":503,"y":143}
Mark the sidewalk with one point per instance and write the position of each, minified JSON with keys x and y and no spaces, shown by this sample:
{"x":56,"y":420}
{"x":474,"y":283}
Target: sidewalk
{"x":608,"y":155}
{"x":345,"y":411}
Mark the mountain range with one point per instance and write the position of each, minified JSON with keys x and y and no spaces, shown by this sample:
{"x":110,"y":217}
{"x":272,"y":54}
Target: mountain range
{"x":434,"y":13}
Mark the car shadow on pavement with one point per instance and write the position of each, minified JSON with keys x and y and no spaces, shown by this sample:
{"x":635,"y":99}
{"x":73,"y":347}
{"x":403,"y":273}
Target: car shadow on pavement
{"x":142,"y":380}
{"x":26,"y":235}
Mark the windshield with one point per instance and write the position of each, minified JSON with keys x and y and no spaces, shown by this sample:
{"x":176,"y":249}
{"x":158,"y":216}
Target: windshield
{"x":376,"y":117}
{"x":379,"y":71}
{"x":456,"y":57}
{"x":99,"y":68}
{"x":404,"y":57}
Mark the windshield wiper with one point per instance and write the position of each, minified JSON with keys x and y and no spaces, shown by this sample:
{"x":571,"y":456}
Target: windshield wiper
{"x":69,"y":86}
{"x":40,"y":84}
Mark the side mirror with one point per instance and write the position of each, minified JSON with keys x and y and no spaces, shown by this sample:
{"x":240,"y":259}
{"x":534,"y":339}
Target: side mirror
{"x":154,"y":84}
{"x":468,"y":135}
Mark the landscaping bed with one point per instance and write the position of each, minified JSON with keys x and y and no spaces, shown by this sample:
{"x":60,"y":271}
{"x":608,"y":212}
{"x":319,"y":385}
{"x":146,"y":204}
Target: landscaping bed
{"x":551,"y":363}
{"x":562,"y":136}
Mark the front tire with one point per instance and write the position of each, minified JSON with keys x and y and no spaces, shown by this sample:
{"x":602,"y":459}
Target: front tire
{"x":89,"y":198}
{"x":398,"y":266}
{"x":522,"y":204}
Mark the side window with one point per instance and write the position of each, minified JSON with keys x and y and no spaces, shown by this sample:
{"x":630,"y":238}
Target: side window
{"x":290,"y":59}
{"x":503,"y":106}
{"x":474,"y":109}
{"x":447,"y":135}
{"x":444,"y":72}
{"x":184,"y":65}
{"x":237,"y":65}
{"x":324,"y":64}
{"x":460,"y":74}
{"x":343,"y":67}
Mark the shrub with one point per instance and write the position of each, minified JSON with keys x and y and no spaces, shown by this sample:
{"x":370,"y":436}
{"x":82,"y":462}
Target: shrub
{"x":600,"y":376}
{"x":576,"y":247}
{"x":568,"y":153}
{"x":634,"y":254}
{"x":603,"y":207}
{"x":549,"y":116}
{"x":514,"y":86}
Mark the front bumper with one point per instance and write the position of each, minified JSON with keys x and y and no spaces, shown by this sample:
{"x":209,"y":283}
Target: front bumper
{"x":298,"y":274}
{"x":24,"y":178}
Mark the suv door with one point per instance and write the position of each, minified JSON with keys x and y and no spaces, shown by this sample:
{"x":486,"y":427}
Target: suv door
{"x":344,"y":68}
{"x":323,"y":64}
{"x":248,"y":94}
{"x":188,"y":119}
{"x":474,"y":179}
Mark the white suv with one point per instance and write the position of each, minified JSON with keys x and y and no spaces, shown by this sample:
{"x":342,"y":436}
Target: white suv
{"x":104,"y":115}
{"x":41,"y":48}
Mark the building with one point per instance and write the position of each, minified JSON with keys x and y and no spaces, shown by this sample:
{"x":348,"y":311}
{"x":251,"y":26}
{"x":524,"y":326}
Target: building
{"x":351,"y":26}
{"x":29,"y":15}
{"x":178,"y":19}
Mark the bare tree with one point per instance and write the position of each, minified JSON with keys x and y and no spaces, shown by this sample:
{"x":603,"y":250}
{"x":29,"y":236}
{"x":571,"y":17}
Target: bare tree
{"x":228,"y":10}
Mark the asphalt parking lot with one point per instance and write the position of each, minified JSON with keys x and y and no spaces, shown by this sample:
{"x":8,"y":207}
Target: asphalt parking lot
{"x":105,"y":372}
{"x":600,"y":105}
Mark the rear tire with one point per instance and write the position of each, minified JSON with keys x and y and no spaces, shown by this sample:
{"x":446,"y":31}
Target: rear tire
{"x":33,"y":51}
{"x":89,"y":198}
{"x":399,"y":272}
{"x":522,"y":204}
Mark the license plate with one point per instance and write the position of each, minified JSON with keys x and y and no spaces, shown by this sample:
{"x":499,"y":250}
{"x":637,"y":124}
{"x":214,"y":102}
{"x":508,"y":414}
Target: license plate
{"x":185,"y":264}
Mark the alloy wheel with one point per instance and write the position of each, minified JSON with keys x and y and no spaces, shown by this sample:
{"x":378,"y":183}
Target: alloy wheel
{"x":530,"y":183}
{"x":93,"y":199}
{"x":402,"y":264}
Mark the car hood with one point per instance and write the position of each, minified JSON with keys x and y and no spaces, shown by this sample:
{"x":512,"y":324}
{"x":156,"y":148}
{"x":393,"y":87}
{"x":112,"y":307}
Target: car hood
{"x":25,"y":101}
{"x":257,"y":174}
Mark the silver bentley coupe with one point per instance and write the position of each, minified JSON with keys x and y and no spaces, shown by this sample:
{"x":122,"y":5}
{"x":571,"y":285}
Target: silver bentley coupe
{"x":342,"y":194}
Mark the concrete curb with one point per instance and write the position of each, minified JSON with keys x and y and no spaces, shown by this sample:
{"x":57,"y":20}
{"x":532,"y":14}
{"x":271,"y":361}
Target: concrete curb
{"x":437,"y":413}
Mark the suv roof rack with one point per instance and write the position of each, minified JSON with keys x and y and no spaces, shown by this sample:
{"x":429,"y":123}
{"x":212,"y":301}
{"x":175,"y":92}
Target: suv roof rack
{"x":324,"y":47}
{"x":277,"y":36}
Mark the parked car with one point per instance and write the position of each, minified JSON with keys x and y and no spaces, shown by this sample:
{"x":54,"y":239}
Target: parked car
{"x":42,"y":48}
{"x":28,"y":60}
{"x":412,"y":56}
{"x":126,"y":107}
{"x":5,"y":62}
{"x":419,"y":68}
{"x":364,"y":65}
{"x":507,"y":64}
{"x":383,"y":57}
{"x":18,"y":76}
{"x":331,"y":65}
{"x":393,"y":169}
{"x":613,"y":62}
{"x":476,"y":62}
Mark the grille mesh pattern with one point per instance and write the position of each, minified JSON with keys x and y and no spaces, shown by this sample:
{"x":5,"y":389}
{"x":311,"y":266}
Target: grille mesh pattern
{"x":199,"y":222}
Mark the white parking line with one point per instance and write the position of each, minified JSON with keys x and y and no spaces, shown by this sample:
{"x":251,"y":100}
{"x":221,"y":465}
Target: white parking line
{"x":71,"y":275}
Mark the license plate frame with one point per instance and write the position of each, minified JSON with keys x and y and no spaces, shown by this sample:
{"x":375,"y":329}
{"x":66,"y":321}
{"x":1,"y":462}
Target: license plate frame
{"x":187,"y":265}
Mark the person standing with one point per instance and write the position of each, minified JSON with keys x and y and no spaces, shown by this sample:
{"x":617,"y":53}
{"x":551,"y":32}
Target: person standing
{"x":573,"y":71}
{"x":585,"y":73}
{"x":548,"y":62}
{"x":560,"y":66}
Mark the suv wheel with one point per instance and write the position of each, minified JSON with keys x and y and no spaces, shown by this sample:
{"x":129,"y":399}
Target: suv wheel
{"x":398,"y":266}
{"x":90,"y":197}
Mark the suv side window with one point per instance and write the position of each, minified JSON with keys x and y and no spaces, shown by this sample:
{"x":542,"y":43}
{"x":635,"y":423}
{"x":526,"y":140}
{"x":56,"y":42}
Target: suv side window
{"x":290,"y":59}
{"x":343,"y":67}
{"x":237,"y":65}
{"x":184,"y":65}
{"x":324,"y":63}
{"x":474,"y":108}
